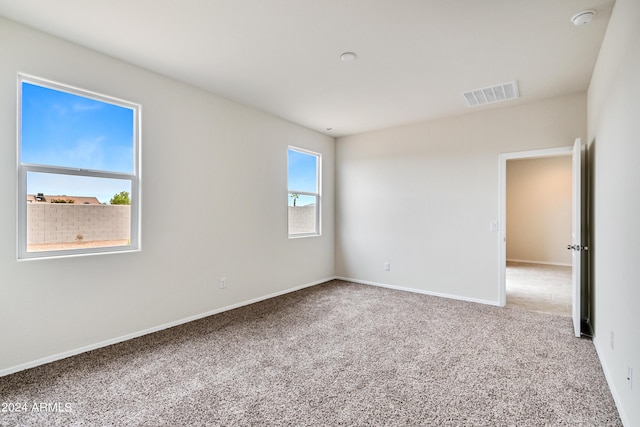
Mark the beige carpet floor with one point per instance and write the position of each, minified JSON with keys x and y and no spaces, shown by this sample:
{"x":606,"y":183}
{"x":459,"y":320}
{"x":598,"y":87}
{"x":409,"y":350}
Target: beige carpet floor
{"x":334,"y":354}
{"x":539,"y":287}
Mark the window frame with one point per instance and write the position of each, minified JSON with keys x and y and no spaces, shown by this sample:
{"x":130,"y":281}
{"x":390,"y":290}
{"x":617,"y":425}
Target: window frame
{"x":24,"y":168}
{"x":318,"y":195}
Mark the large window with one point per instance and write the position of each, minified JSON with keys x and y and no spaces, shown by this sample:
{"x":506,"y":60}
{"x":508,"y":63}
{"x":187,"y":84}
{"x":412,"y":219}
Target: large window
{"x":78,"y":167}
{"x":304,"y":192}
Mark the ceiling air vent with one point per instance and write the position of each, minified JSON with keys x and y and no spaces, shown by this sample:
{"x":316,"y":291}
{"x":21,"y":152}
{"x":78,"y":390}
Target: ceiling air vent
{"x":489,"y":95}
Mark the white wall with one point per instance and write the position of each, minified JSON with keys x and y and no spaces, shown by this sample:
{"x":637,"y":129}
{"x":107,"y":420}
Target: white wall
{"x":539,"y":210}
{"x":421,"y":197}
{"x":614,"y":134}
{"x":197,"y":148}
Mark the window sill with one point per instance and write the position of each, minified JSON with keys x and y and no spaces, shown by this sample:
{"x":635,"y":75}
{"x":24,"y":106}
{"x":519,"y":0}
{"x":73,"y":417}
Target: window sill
{"x":303,"y":235}
{"x":30,"y":256}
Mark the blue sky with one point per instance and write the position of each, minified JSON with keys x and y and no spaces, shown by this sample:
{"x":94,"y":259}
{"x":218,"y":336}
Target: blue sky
{"x":62,"y":129}
{"x":302,"y":175}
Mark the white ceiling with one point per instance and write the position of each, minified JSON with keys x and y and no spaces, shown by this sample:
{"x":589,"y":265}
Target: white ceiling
{"x":415,"y":57}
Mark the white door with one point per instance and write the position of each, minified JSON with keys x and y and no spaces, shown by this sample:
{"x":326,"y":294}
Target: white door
{"x":576,"y":231}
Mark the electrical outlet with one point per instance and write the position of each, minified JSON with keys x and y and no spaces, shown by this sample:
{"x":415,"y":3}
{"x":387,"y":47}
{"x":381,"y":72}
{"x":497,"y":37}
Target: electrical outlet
{"x":387,"y":266}
{"x":611,"y":340}
{"x":223,"y":282}
{"x":630,"y":377}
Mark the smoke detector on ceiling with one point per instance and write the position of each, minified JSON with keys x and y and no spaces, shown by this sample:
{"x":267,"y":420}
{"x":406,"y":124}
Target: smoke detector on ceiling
{"x":583,"y":17}
{"x":348,"y":57}
{"x":489,"y":95}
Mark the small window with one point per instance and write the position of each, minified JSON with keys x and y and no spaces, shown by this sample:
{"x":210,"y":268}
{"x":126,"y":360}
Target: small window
{"x":304,"y":193}
{"x":78,"y":183}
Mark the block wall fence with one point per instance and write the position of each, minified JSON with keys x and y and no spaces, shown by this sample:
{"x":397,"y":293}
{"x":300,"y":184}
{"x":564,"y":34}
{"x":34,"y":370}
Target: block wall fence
{"x":61,"y":223}
{"x":302,"y":219}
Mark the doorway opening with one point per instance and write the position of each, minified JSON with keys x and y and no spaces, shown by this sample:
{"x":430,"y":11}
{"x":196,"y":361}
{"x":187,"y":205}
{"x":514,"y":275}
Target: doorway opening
{"x":538,"y":228}
{"x":503,"y":159}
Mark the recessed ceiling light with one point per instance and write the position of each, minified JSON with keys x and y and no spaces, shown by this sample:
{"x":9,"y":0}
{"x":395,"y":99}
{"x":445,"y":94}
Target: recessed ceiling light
{"x":348,"y":57}
{"x":583,"y":17}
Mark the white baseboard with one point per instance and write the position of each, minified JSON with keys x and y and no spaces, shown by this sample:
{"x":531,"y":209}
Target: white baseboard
{"x":65,"y":354}
{"x":421,"y":291}
{"x":612,"y":387}
{"x":528,"y":261}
